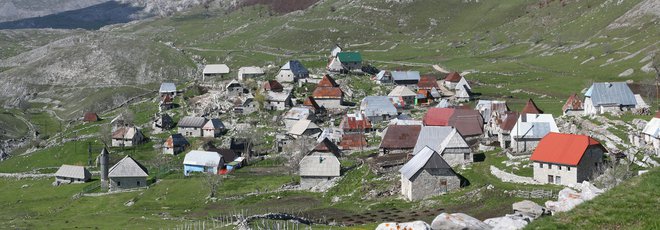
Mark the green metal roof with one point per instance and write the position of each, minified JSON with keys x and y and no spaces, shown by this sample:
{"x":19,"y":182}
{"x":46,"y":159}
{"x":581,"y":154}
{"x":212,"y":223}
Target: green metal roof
{"x":349,"y":57}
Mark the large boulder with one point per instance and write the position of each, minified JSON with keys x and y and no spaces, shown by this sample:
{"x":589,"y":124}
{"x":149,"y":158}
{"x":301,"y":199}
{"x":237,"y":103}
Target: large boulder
{"x":415,"y":225}
{"x":589,"y":191}
{"x":568,"y":199}
{"x":509,"y":222}
{"x":529,"y":208}
{"x":446,"y":221}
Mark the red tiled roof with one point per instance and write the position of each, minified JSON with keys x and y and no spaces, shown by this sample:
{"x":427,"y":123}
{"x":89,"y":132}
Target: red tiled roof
{"x":573,"y":103}
{"x":401,"y":137}
{"x":561,"y":148}
{"x":351,"y":123}
{"x":438,"y":116}
{"x":353,"y":141}
{"x":427,"y":82}
{"x":273,"y":85}
{"x":531,"y":108}
{"x":327,"y":92}
{"x":327,"y":81}
{"x":309,"y":101}
{"x":90,"y":117}
{"x":453,"y":77}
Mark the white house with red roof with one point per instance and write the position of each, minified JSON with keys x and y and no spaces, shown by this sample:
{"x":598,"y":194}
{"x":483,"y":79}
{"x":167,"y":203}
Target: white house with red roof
{"x":566,"y":158}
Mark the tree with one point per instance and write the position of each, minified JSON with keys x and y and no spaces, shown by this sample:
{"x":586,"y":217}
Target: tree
{"x":260,"y":98}
{"x":105,"y":134}
{"x":297,"y":149}
{"x":213,"y":181}
{"x":128,"y":117}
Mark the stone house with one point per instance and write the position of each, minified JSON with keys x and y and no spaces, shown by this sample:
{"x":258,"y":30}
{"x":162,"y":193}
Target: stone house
{"x":402,"y":97}
{"x":127,"y":174}
{"x":503,"y":126}
{"x":447,"y":142}
{"x":175,"y":144}
{"x":384,"y":77}
{"x":215,"y":70}
{"x":378,"y":108}
{"x":292,"y":71}
{"x":427,"y":174}
{"x":192,"y":126}
{"x":320,"y":165}
{"x":355,"y":123}
{"x":235,"y":88}
{"x":491,"y":111}
{"x":573,"y":106}
{"x":606,"y":97}
{"x":567,"y":159}
{"x":399,"y":139}
{"x":126,"y":137}
{"x":247,"y":72}
{"x":72,"y":174}
{"x":328,"y":94}
{"x":529,"y":130}
{"x":213,"y":128}
{"x":162,"y":122}
{"x":245,"y":105}
{"x":278,"y":100}
{"x":167,"y":88}
{"x":318,"y":110}
{"x":405,"y":77}
{"x":350,"y":60}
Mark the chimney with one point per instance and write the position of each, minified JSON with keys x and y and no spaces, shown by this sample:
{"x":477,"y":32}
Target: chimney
{"x":105,"y":158}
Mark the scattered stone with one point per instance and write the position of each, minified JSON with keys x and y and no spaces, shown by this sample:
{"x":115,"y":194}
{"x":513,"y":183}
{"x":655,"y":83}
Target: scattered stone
{"x":25,"y":186}
{"x":568,"y":199}
{"x":129,"y":203}
{"x":626,"y":73}
{"x":486,"y":148}
{"x":490,"y":186}
{"x":447,"y":221}
{"x":421,"y":225}
{"x":508,"y":222}
{"x":529,"y":208}
{"x":589,"y":191}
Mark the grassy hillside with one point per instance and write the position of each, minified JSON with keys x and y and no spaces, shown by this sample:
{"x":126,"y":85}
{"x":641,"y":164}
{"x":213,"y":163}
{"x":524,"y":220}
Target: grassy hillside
{"x":632,"y":205}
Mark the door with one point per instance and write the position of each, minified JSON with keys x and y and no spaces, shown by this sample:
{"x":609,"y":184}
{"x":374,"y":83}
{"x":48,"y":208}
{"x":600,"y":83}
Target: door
{"x":443,"y":185}
{"x":557,"y":180}
{"x":551,"y":179}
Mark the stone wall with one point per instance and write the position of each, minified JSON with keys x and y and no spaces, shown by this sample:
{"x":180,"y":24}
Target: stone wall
{"x":307,"y":182}
{"x":117,"y":183}
{"x":428,"y":183}
{"x":589,"y":164}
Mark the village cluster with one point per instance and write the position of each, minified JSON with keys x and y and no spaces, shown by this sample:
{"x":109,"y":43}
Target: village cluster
{"x":424,"y":125}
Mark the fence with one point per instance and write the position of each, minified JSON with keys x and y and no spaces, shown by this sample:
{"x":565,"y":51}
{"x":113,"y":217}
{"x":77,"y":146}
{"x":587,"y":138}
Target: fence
{"x":536,"y":194}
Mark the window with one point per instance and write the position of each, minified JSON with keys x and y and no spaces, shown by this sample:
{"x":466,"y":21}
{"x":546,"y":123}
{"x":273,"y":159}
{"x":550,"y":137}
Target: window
{"x":568,"y":168}
{"x":540,"y":165}
{"x":551,"y":179}
{"x":118,"y":183}
{"x":558,"y":180}
{"x":138,"y":183}
{"x":466,"y":156}
{"x":560,"y":167}
{"x":549,"y":166}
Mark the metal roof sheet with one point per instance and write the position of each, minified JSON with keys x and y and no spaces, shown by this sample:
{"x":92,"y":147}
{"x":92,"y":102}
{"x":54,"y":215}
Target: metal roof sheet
{"x":427,"y":158}
{"x":73,"y":171}
{"x":377,"y":106}
{"x":128,"y":167}
{"x":167,"y":87}
{"x":405,"y":75}
{"x":203,"y":158}
{"x":216,"y":69}
{"x":196,"y":122}
{"x":608,"y":93}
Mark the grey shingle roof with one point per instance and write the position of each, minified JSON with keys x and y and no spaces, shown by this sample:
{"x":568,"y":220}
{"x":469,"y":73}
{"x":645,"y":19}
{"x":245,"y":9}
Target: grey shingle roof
{"x":192,"y":122}
{"x":604,"y":93}
{"x":73,"y":171}
{"x":296,"y":67}
{"x":167,"y":87}
{"x":377,"y":106}
{"x":431,"y":136}
{"x":128,"y":167}
{"x":427,"y":158}
{"x":405,"y":75}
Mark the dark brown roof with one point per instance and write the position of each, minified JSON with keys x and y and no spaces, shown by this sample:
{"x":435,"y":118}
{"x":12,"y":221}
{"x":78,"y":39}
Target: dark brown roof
{"x":228,"y":155}
{"x":531,"y":108}
{"x":401,"y":137}
{"x":327,"y":146}
{"x":573,"y":103}
{"x":90,"y":117}
{"x":273,"y":85}
{"x":427,"y":82}
{"x":327,"y":81}
{"x":468,"y":122}
{"x":453,"y":77}
{"x":353,"y":141}
{"x":166,"y":99}
{"x":328,"y":92}
{"x":509,"y":121}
